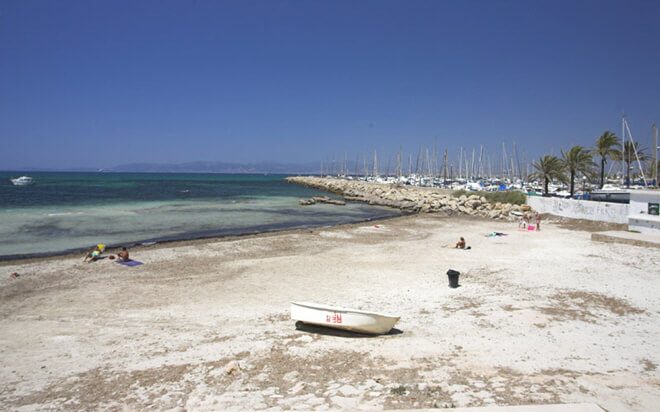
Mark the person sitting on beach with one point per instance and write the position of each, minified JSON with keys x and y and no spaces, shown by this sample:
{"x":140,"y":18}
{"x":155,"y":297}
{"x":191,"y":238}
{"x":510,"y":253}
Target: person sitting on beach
{"x":93,"y":254}
{"x":122,"y":256}
{"x":460,"y":244}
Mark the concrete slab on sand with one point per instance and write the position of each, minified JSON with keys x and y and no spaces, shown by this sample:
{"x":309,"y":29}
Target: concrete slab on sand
{"x":629,"y":238}
{"x":572,"y":407}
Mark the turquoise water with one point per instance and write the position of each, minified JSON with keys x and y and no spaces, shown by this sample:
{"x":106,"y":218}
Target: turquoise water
{"x":71,"y":211}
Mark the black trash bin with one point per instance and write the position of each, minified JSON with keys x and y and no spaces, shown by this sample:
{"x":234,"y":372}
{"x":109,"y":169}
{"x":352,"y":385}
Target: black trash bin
{"x":453,"y":278}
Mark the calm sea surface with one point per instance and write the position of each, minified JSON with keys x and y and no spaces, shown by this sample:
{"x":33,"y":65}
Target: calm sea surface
{"x":71,"y":211}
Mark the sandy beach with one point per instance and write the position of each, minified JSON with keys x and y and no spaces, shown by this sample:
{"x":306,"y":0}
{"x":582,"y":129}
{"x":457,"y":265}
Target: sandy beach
{"x":540,"y":317}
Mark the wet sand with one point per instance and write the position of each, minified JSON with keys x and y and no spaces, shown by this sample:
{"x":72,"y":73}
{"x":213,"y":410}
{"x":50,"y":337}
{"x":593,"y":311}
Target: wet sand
{"x":540,"y":317}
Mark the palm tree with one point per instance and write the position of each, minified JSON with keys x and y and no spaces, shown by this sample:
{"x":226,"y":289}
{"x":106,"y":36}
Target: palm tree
{"x":652,"y":169}
{"x":547,"y":168}
{"x":577,"y":160}
{"x":607,"y":145}
{"x":629,"y":157}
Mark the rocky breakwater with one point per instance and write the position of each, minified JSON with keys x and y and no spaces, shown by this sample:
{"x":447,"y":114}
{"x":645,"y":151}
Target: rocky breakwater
{"x":412,"y":199}
{"x":321,"y":199}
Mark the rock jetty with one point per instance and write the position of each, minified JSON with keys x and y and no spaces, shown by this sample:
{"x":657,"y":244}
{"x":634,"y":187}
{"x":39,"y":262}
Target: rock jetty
{"x":411,"y":199}
{"x":321,"y":199}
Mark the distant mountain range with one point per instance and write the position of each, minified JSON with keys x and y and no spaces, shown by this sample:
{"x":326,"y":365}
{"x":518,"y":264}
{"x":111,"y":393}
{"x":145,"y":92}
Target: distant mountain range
{"x":217,"y":167}
{"x":192,"y":167}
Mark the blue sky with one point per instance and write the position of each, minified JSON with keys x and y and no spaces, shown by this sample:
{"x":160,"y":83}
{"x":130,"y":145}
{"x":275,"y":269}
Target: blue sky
{"x":102,"y":83}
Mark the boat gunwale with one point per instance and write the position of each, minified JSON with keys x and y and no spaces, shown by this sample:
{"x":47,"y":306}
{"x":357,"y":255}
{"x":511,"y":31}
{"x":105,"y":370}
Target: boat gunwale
{"x":318,"y":306}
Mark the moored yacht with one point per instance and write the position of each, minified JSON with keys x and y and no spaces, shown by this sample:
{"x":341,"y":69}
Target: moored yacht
{"x":611,"y":193}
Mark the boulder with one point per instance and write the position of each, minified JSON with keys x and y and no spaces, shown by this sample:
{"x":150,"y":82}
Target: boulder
{"x":494,"y":214}
{"x":232,"y":367}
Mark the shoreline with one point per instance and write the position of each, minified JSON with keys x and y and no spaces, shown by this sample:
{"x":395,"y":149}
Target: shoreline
{"x":565,"y":223}
{"x":405,"y":200}
{"x":37,"y":225}
{"x":140,"y":245}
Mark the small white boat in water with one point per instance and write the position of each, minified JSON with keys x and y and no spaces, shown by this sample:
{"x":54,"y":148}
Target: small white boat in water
{"x":342,"y":318}
{"x":22,"y":181}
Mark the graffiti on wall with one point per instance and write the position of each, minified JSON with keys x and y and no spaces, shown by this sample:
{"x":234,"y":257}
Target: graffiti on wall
{"x":580,"y":209}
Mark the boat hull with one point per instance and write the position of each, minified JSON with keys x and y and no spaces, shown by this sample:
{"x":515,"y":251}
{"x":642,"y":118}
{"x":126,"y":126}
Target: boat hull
{"x":22,"y":181}
{"x":614,"y":196}
{"x":343,"y":318}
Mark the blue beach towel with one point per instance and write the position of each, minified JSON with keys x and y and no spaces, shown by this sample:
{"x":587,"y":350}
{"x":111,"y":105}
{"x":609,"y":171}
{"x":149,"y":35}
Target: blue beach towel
{"x":130,"y":263}
{"x":496,"y":234}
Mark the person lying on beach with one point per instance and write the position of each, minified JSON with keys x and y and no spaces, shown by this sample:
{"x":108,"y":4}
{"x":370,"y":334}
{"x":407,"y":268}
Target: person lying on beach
{"x":93,"y":254}
{"x":122,"y":256}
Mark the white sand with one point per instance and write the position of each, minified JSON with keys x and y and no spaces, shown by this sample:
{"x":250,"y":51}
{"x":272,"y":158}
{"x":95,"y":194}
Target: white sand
{"x":547,"y":317}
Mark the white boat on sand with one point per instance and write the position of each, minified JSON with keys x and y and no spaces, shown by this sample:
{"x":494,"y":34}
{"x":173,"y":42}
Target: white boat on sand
{"x":342,"y":318}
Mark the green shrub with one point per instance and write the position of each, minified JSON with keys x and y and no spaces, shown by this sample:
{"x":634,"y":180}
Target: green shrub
{"x":400,"y":390}
{"x":510,"y":196}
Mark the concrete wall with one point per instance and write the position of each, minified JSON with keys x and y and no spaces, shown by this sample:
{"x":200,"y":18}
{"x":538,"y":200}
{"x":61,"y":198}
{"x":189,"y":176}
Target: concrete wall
{"x":639,"y":219}
{"x":580,"y":209}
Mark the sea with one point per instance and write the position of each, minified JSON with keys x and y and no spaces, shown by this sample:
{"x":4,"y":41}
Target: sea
{"x":65,"y":212}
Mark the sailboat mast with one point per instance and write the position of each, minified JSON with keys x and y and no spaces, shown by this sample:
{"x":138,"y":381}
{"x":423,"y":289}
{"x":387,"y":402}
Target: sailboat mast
{"x":655,"y":155}
{"x":460,"y":163}
{"x":467,"y":166}
{"x":504,"y":166}
{"x":515,"y":153}
{"x":639,"y":163}
{"x":512,"y":174}
{"x":623,"y":139}
{"x":428,"y":163}
{"x":434,"y":170}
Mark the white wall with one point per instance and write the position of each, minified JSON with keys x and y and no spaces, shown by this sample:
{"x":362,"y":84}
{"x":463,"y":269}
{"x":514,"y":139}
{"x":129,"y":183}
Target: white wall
{"x":580,"y":209}
{"x":639,"y":219}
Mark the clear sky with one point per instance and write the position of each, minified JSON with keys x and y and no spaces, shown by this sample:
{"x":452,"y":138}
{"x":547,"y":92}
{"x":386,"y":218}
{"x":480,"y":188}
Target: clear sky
{"x":102,"y":83}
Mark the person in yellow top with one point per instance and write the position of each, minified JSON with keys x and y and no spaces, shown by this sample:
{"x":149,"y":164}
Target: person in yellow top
{"x":94,"y":253}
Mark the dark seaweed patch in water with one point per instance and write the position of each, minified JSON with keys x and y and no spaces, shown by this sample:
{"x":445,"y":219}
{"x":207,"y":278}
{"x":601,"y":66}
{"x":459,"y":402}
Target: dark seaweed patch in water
{"x":243,"y":230}
{"x":54,"y":230}
{"x":48,"y":230}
